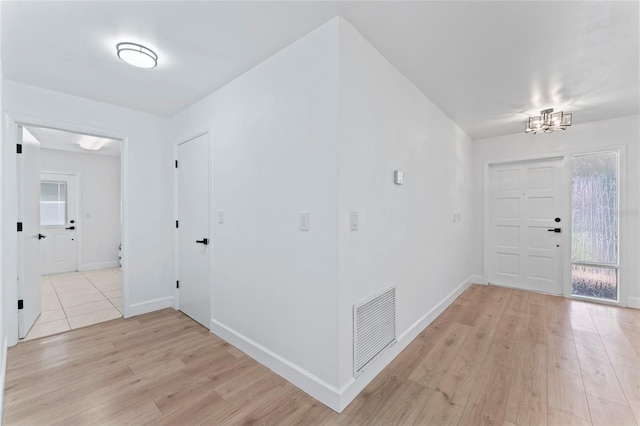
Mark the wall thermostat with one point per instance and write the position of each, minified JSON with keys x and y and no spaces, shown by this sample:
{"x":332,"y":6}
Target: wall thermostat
{"x":398,"y":177}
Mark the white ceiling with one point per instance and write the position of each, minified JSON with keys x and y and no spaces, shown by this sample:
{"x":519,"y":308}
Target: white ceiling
{"x":67,"y":141}
{"x":487,"y":65}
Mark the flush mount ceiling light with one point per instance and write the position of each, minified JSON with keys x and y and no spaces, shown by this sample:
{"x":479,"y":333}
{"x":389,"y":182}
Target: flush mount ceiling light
{"x":91,"y":143}
{"x":137,"y":55}
{"x":547,"y":122}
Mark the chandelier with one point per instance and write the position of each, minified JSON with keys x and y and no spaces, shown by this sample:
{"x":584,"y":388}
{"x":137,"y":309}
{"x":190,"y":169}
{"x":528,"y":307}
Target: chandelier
{"x":547,"y":122}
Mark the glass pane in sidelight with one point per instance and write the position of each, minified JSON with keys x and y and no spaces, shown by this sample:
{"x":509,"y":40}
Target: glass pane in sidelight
{"x":594,"y":205}
{"x":593,"y":281}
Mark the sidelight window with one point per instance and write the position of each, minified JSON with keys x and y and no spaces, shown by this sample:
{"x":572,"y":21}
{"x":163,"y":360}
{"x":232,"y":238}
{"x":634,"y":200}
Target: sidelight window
{"x":594,"y":233}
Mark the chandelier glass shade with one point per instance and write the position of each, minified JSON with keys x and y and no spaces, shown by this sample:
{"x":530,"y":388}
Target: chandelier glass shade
{"x":547,"y":122}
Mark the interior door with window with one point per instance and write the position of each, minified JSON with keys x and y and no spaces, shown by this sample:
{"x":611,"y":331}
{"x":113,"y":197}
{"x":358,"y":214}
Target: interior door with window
{"x":525,"y":226}
{"x":58,"y":202}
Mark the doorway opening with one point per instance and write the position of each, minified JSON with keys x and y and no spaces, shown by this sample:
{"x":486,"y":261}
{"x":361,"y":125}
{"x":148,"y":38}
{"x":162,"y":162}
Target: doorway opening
{"x":70,"y":188}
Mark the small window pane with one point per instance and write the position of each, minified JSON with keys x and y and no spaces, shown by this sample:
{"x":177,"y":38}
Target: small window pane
{"x":592,"y":281}
{"x":594,"y":202}
{"x":53,"y":203}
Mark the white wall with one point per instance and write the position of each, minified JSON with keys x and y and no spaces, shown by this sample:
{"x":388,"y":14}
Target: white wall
{"x":98,"y":219}
{"x":589,"y":137}
{"x":406,"y":236}
{"x":148,"y":205}
{"x":320,"y":127}
{"x":274,"y":146}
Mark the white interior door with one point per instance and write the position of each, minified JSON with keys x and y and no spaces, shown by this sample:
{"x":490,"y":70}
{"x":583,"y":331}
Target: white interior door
{"x":193,"y":230}
{"x":59,"y":227}
{"x":525,"y":229}
{"x":28,"y":238}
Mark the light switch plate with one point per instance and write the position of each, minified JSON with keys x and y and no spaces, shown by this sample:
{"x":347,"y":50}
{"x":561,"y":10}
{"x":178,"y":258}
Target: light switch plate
{"x":398,"y":177}
{"x":353,"y":221}
{"x":304,"y":221}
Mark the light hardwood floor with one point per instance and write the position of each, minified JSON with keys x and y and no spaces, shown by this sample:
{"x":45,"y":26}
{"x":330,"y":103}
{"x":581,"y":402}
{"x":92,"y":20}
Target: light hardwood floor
{"x":496,"y":357}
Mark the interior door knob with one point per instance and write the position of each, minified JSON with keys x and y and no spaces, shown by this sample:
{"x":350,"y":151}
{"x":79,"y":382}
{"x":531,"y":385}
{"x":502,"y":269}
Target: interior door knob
{"x":40,"y":236}
{"x":204,"y":241}
{"x":71,"y":227}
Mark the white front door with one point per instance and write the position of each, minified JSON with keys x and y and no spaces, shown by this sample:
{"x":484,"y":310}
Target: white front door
{"x":193,"y":229}
{"x":58,"y":218}
{"x":28,"y":238}
{"x":526,"y":225}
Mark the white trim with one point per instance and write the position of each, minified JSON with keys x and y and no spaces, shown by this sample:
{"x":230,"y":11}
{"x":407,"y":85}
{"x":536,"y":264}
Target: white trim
{"x":334,"y":398}
{"x":12,"y":121}
{"x":354,"y":386}
{"x":633,"y":302}
{"x":150,"y":306}
{"x":98,"y":265}
{"x":3,"y":374}
{"x":478,"y":279}
{"x":303,"y":379}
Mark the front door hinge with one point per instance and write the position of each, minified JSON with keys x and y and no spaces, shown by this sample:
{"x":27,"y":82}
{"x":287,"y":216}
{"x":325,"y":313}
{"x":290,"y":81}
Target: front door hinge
{"x":176,"y":223}
{"x":19,"y":226}
{"x":20,"y":304}
{"x":19,"y":148}
{"x":176,"y":164}
{"x":177,"y":284}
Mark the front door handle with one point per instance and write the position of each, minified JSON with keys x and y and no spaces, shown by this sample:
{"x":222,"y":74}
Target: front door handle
{"x":555,"y":230}
{"x":71,"y":228}
{"x":40,"y":236}
{"x":204,"y":241}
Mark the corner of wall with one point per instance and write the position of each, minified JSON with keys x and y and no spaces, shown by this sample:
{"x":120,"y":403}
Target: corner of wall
{"x":351,"y":389}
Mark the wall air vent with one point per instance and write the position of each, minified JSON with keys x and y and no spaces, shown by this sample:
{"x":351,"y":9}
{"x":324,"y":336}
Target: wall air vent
{"x":374,"y":327}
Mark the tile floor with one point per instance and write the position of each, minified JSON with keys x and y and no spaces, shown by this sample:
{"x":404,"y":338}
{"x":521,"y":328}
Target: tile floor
{"x":77,"y":299}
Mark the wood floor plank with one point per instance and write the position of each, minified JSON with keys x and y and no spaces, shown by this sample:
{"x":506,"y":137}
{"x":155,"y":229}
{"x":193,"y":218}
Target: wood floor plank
{"x":560,"y":418}
{"x":495,"y":356}
{"x":488,"y":400}
{"x":447,"y":402}
{"x":607,"y":413}
{"x":527,"y":403}
{"x":629,"y":378}
{"x":566,"y":392}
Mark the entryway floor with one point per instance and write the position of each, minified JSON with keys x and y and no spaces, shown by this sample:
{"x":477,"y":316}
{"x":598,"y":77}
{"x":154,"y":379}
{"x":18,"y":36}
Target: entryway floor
{"x":77,"y":299}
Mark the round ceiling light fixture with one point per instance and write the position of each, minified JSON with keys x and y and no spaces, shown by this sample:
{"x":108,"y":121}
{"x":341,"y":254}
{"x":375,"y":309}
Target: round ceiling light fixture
{"x":137,"y":55}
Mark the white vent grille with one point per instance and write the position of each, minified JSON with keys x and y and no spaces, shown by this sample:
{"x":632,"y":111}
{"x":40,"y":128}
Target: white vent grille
{"x":374,"y":327}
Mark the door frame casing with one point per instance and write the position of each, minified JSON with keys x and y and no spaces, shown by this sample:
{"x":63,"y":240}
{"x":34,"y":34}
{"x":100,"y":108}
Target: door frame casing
{"x":78,"y":212}
{"x":201,"y":131}
{"x":566,"y":212}
{"x":10,"y":212}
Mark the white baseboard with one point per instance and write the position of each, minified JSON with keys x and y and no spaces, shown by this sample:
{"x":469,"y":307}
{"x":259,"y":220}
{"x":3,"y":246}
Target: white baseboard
{"x":478,"y":279}
{"x":3,"y":371}
{"x":351,"y":389}
{"x":150,"y":306}
{"x":297,"y":375}
{"x":334,"y":398}
{"x":633,"y":302}
{"x":98,"y":265}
